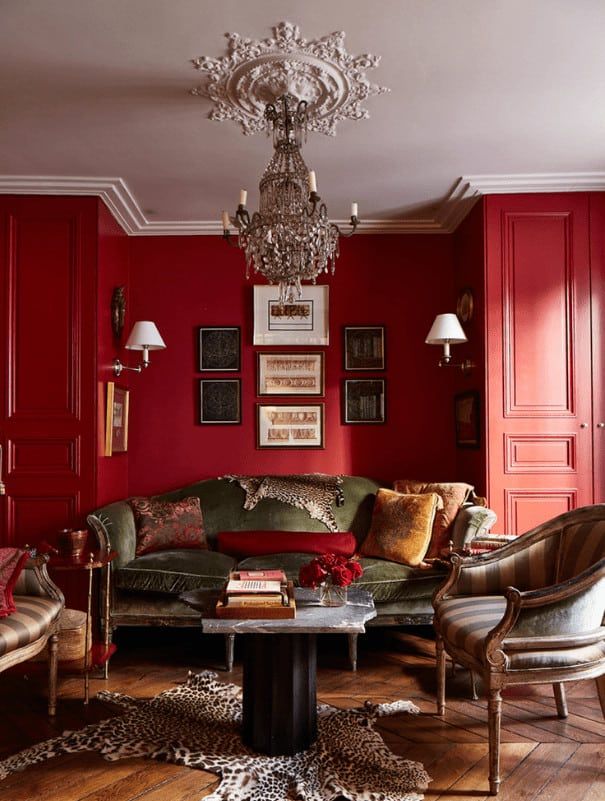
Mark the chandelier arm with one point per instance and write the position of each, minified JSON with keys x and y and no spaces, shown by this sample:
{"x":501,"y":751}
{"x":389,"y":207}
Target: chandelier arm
{"x":314,"y":199}
{"x":353,"y":223}
{"x":229,"y":239}
{"x":242,"y":218}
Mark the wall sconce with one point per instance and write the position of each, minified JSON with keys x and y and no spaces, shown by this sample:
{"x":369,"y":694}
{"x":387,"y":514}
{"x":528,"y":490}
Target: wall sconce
{"x":446,"y":330}
{"x":144,"y":336}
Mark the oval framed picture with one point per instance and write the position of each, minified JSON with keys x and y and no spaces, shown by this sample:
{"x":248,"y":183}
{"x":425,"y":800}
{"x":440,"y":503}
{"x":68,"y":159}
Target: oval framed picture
{"x":465,"y":305}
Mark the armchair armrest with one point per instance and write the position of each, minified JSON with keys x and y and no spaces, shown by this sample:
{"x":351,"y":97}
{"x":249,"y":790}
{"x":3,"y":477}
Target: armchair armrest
{"x":34,"y":580}
{"x":565,"y":615}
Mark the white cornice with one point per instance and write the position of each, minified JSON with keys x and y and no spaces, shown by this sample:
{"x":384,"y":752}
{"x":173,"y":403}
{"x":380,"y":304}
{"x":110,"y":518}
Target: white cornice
{"x":449,"y":214}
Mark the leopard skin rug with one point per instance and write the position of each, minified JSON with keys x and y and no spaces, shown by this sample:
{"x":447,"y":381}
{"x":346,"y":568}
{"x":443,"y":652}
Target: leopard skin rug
{"x":197,"y":724}
{"x":314,"y":492}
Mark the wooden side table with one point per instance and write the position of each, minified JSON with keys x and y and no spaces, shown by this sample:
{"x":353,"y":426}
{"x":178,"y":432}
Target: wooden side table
{"x":99,"y":560}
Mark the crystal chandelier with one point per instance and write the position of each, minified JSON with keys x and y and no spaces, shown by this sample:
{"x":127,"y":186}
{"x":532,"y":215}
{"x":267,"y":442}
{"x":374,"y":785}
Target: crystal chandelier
{"x":290,"y":238}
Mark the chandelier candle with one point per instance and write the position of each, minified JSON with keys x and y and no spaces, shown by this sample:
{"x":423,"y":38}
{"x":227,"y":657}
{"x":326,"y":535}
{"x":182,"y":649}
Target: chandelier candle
{"x":290,"y":238}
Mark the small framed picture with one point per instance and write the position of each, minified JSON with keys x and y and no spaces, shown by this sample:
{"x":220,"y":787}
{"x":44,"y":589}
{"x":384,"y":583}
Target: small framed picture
{"x":364,"y":400}
{"x":290,"y":426}
{"x":290,"y":373}
{"x":220,"y":348}
{"x":220,"y":401}
{"x":466,"y":418}
{"x":304,"y":322}
{"x":364,"y":347}
{"x":116,"y":425}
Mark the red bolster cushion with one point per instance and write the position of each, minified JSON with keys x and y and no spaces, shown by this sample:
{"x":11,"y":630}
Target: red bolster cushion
{"x":261,"y":543}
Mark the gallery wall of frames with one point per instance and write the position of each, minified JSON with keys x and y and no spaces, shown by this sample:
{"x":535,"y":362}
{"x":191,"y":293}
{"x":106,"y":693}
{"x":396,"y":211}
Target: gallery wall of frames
{"x":339,"y":381}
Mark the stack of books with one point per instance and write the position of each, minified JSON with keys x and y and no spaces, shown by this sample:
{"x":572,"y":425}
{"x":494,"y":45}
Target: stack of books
{"x":251,"y":594}
{"x":490,"y":542}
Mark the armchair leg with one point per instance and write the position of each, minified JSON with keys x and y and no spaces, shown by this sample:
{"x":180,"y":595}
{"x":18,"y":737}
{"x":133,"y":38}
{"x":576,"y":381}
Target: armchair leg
{"x":440,"y":651}
{"x":601,"y":691}
{"x":560,"y":699}
{"x":229,"y":649}
{"x":53,"y":663}
{"x":494,"y":710}
{"x":353,"y":651}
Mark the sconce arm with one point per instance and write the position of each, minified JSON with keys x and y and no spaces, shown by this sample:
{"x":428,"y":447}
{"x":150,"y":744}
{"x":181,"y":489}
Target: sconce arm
{"x":466,"y":366}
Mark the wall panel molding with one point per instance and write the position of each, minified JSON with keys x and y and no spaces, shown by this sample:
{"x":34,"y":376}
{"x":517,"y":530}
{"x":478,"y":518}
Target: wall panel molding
{"x":539,"y":453}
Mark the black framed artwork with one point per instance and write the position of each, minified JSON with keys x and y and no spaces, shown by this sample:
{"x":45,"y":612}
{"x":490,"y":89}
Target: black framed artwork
{"x":364,"y":400}
{"x":364,"y":347}
{"x":220,"y":401}
{"x":220,"y":348}
{"x":466,"y":418}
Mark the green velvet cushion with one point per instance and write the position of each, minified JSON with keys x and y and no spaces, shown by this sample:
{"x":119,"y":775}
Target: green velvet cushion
{"x":173,"y":572}
{"x":388,"y":582}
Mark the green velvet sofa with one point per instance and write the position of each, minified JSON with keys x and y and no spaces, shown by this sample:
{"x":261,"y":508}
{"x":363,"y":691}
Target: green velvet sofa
{"x":146,"y":589}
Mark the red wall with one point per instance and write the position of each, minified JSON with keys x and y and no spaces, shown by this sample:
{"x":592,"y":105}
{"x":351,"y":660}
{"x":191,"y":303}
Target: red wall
{"x":112,"y":271}
{"x":469,"y":272}
{"x":184,"y":282}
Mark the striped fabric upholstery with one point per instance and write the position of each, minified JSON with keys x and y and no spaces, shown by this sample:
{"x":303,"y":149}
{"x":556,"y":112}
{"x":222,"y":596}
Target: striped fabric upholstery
{"x":465,"y":622}
{"x":28,"y":584}
{"x":529,"y":569}
{"x":28,"y":623}
{"x":582,"y":545}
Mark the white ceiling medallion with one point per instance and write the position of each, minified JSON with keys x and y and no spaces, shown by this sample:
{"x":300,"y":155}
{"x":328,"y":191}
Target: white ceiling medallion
{"x":257,"y":71}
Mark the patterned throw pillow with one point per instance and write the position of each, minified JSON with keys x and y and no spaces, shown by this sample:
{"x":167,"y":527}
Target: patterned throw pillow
{"x":401,"y":527}
{"x":12,"y":561}
{"x":162,"y":525}
{"x":453,"y":495}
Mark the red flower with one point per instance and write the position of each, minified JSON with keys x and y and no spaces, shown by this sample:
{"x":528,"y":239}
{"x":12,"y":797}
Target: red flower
{"x":311,"y":575}
{"x":355,"y":568}
{"x":341,"y":576}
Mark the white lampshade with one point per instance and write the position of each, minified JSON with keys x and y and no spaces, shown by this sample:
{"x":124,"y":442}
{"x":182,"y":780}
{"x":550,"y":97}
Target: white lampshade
{"x":446,"y":329}
{"x":145,"y":336}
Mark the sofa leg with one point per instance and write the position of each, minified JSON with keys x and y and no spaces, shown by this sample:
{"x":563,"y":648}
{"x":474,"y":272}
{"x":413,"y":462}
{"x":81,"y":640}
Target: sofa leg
{"x":560,"y":699}
{"x":494,"y":709}
{"x":600,"y":680}
{"x":440,"y":651}
{"x":353,"y":651}
{"x":473,"y":678}
{"x":53,"y":663}
{"x":229,"y":649}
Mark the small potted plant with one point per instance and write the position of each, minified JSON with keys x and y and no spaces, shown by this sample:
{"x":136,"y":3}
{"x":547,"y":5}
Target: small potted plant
{"x":332,"y":574}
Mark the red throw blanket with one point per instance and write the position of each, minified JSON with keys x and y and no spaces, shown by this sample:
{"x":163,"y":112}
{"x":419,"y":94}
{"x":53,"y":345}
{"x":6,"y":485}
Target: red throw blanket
{"x":12,"y":561}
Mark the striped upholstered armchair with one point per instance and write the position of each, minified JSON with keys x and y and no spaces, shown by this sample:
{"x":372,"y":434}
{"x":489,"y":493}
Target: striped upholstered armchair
{"x":530,"y":613}
{"x":34,"y":624}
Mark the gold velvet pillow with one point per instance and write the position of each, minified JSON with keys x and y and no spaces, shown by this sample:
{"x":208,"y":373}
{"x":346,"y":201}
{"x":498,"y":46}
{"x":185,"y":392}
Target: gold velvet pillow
{"x":453,"y":495}
{"x":401,"y":527}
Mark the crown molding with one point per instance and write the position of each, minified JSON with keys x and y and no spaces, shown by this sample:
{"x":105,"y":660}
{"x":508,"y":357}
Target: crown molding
{"x":449,"y":214}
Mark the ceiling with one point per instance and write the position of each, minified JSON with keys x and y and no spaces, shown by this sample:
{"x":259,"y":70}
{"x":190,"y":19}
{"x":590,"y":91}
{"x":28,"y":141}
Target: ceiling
{"x":94,"y":98}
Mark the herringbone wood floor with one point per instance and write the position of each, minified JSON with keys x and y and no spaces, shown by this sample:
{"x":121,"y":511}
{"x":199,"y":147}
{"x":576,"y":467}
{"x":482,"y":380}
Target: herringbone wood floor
{"x":543,"y":758}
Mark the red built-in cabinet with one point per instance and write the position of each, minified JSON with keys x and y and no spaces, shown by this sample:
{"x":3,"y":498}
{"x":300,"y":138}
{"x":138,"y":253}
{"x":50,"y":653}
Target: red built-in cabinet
{"x":49,"y":391}
{"x":544,"y":260}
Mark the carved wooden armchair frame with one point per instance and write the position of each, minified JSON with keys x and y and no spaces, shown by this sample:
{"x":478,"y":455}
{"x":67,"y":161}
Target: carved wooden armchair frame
{"x":533,"y":623}
{"x":34,"y":580}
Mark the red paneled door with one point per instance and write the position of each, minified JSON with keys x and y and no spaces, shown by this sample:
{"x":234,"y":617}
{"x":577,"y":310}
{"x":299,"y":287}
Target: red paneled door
{"x":539,"y":380}
{"x":48,"y":275}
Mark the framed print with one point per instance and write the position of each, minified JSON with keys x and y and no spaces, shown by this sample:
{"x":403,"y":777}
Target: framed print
{"x":116,"y":425}
{"x":364,"y":347}
{"x":290,"y":426}
{"x":466,"y":415}
{"x":220,"y":348}
{"x":220,"y":401}
{"x":304,"y":322}
{"x":364,"y":400}
{"x":291,"y":373}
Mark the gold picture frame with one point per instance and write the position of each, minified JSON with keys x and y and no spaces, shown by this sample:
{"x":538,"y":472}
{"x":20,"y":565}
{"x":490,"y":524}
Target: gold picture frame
{"x":290,"y":374}
{"x":116,"y":425}
{"x":290,"y":427}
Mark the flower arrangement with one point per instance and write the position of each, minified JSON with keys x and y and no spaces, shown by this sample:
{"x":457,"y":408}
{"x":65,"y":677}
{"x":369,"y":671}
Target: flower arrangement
{"x":332,"y":574}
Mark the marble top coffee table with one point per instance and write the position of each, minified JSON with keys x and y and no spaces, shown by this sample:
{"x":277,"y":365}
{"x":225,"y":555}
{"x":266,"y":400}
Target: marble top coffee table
{"x":280,"y":659}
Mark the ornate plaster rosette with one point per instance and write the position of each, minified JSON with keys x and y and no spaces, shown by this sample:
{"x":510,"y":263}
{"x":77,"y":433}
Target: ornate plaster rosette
{"x":257,"y":71}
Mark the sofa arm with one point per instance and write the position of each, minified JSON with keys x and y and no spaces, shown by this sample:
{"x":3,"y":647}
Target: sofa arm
{"x":34,"y":580}
{"x":115,"y":530}
{"x":471,"y":521}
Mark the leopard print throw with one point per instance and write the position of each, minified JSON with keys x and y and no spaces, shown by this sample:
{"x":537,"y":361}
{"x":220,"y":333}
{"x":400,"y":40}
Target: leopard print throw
{"x":197,"y":725}
{"x":315,"y":492}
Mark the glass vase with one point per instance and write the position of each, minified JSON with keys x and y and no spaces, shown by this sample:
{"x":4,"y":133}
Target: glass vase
{"x":332,"y":595}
